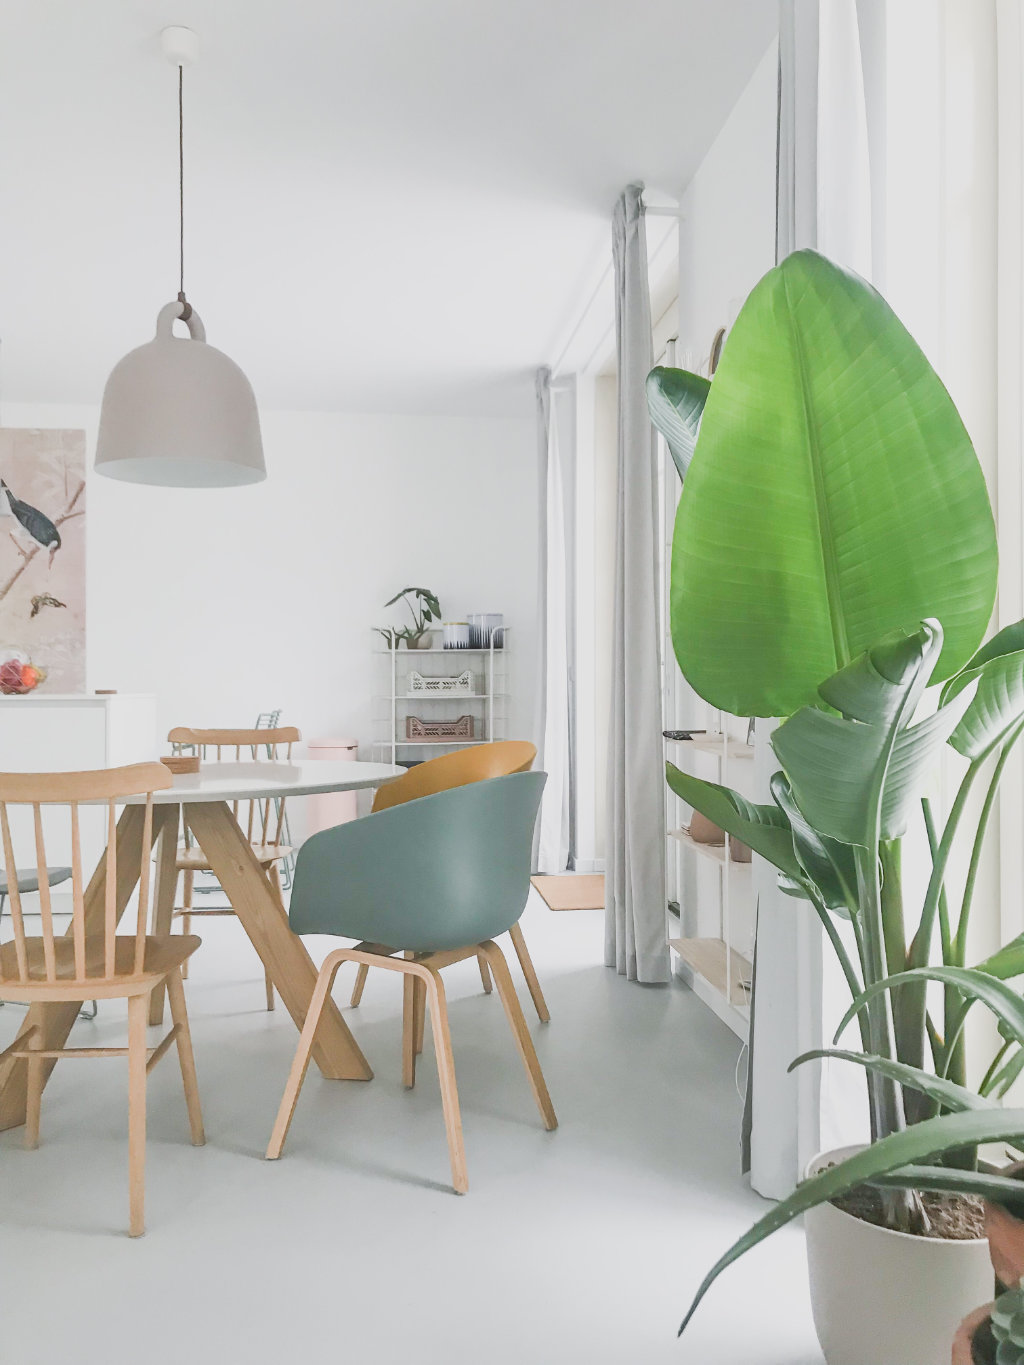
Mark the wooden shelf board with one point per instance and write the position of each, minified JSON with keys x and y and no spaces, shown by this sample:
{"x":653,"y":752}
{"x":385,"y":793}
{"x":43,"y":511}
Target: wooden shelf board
{"x":708,"y":957}
{"x":716,"y":852}
{"x":714,"y":745}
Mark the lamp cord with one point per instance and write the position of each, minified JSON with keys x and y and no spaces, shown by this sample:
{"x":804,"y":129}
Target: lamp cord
{"x":186,"y":306}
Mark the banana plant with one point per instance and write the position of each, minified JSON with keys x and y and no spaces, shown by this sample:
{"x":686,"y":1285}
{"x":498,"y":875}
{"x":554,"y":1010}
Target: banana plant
{"x":852,"y":771}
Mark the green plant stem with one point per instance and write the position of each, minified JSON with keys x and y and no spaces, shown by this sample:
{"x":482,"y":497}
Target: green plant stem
{"x":933,"y":843}
{"x":990,"y":1075}
{"x":853,"y":981}
{"x":886,"y":1110}
{"x":921,"y":943}
{"x":960,"y":938}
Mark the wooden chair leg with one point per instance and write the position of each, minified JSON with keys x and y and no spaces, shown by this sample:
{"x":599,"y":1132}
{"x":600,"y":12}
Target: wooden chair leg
{"x":446,"y":1075}
{"x":521,"y":1034}
{"x":360,"y":983}
{"x":188,"y":883}
{"x":409,"y":1049}
{"x":186,"y":1058}
{"x":138,"y":1011}
{"x":35,"y":1076}
{"x":289,"y":1099}
{"x":485,"y":976}
{"x":526,"y":962}
{"x":274,"y":873}
{"x":419,"y":1012}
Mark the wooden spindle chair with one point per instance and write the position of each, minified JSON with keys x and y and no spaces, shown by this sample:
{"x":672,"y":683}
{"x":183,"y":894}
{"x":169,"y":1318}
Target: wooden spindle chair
{"x":91,"y":961}
{"x":263,"y":820}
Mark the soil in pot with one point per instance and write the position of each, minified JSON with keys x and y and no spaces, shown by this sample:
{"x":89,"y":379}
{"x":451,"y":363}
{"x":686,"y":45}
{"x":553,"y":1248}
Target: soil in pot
{"x":953,"y":1217}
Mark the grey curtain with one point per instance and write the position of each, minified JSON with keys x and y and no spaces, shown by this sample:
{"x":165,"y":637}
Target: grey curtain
{"x":635,"y":939}
{"x":554,"y":849}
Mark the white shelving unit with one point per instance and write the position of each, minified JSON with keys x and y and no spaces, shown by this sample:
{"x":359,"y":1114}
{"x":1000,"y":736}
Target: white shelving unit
{"x":395,"y":700}
{"x":710,"y":915}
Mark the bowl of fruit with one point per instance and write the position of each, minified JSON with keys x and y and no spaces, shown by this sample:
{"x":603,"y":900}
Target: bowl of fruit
{"x":18,"y":674}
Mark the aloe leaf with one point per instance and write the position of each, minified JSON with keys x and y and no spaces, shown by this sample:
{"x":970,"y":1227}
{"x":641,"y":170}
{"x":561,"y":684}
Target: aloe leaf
{"x":1002,"y":1000}
{"x":833,"y":496}
{"x":675,"y":400}
{"x":918,"y":1144}
{"x":1000,"y":1189}
{"x":946,"y":1093}
{"x":1008,"y":962}
{"x":762,"y":828}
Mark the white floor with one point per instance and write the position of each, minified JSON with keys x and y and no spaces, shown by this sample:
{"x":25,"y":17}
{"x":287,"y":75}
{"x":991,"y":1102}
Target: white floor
{"x":580,"y":1245}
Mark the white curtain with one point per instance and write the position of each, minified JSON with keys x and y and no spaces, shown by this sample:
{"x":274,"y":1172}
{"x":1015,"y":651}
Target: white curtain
{"x":635,"y":939}
{"x":555,"y":611}
{"x":824,"y":201}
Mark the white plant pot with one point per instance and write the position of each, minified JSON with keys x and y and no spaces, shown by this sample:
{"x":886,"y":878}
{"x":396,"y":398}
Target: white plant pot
{"x":886,"y":1298}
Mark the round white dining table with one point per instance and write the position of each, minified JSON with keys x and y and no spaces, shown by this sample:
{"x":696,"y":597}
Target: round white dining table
{"x":203,"y":801}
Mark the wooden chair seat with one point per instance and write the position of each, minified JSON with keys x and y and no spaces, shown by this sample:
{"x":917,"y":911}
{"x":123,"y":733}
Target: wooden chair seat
{"x":194,"y":859}
{"x":163,"y":954}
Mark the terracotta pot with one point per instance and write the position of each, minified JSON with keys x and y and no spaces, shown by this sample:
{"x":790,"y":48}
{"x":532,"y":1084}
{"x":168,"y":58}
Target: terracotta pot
{"x":886,"y":1298}
{"x":962,"y":1352}
{"x":1005,"y":1239}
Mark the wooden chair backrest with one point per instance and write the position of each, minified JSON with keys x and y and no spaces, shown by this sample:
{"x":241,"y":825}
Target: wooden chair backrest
{"x":263,"y":819}
{"x":500,"y":758}
{"x":37,"y":790}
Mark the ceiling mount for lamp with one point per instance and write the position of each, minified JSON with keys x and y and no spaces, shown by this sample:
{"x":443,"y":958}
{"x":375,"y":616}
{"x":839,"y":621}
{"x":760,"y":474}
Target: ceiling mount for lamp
{"x":176,"y":411}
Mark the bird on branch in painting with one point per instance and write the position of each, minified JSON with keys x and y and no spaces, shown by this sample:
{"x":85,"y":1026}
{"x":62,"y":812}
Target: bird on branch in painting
{"x":35,"y":524}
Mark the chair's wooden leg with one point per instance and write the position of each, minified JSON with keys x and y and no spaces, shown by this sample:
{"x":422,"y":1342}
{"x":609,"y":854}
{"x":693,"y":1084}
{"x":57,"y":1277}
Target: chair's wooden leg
{"x":165,"y":888}
{"x":485,"y":976}
{"x":517,"y":1023}
{"x":446,"y":1075}
{"x":188,"y":884}
{"x":289,"y":1099}
{"x":35,"y":1076}
{"x":274,"y":873}
{"x":186,"y":1058}
{"x":419,"y":1012}
{"x":409,"y":1049}
{"x":526,"y":962}
{"x":360,"y":984}
{"x":138,"y":1011}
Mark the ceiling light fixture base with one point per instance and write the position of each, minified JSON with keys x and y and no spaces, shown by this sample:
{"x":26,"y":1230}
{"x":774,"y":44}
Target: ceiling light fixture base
{"x":180,"y":45}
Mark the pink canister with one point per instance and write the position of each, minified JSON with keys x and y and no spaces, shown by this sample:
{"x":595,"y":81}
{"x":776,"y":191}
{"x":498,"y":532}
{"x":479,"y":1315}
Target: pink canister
{"x":327,"y":809}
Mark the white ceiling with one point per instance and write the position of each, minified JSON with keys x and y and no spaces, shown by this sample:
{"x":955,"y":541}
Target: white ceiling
{"x":392,"y":205}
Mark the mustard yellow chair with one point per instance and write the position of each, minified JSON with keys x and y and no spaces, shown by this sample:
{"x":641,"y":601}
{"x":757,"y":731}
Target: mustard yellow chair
{"x":459,"y":769}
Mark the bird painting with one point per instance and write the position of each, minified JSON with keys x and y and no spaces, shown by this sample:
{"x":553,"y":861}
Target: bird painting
{"x":35,"y":525}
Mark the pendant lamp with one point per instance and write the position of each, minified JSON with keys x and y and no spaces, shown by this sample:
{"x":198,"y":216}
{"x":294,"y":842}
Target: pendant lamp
{"x":176,"y":411}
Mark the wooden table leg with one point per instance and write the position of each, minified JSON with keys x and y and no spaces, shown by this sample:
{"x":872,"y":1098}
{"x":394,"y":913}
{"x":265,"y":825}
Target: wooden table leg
{"x":284,"y":954}
{"x":55,"y":1021}
{"x":164,"y":885}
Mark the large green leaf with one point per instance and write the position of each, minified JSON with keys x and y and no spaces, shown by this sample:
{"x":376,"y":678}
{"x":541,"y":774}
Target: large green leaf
{"x":997,"y":709}
{"x":833,"y":496}
{"x":675,"y":400}
{"x":918,"y":1144}
{"x":947,"y":1093}
{"x":848,"y":772}
{"x":762,"y":828}
{"x":1002,"y":1000}
{"x":826,"y":863}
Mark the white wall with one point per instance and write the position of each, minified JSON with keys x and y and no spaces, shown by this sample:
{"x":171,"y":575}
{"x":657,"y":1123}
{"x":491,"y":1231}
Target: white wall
{"x":226,"y":602}
{"x":727,"y":235}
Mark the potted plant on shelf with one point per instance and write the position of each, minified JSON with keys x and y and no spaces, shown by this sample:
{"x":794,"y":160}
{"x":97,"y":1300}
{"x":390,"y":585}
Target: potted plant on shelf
{"x":424,"y":608}
{"x":834,"y":555}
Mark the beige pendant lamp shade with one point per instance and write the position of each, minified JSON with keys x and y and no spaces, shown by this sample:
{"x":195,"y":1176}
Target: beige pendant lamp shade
{"x":178,"y":412}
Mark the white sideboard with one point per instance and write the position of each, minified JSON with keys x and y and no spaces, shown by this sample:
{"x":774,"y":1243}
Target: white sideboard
{"x":64,"y":733}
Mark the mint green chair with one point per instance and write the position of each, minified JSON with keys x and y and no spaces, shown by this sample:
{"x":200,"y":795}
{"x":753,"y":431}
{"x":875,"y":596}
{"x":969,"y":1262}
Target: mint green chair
{"x":422,"y":885}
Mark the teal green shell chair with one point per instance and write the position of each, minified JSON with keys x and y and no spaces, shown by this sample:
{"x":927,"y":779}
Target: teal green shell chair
{"x":422,"y":885}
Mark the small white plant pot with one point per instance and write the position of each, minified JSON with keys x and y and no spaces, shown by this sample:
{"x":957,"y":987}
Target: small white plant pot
{"x":887,"y":1298}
